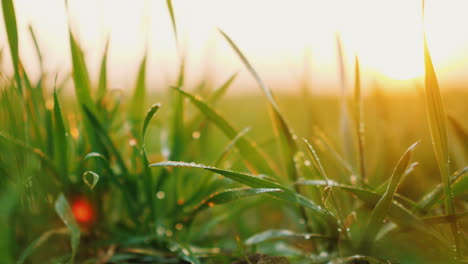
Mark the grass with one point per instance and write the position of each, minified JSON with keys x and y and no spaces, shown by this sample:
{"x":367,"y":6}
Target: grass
{"x":201,"y":178}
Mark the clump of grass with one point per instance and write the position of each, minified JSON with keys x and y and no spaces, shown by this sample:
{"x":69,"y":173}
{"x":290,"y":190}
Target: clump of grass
{"x":154,"y":200}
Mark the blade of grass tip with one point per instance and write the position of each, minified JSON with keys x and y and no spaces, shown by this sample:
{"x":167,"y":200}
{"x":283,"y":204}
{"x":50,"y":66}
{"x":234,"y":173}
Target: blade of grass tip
{"x":9,"y":17}
{"x":381,"y":208}
{"x":255,"y":160}
{"x":102,"y":88}
{"x":359,"y":122}
{"x":137,"y":104}
{"x":60,"y":140}
{"x":227,"y":197}
{"x":255,"y":182}
{"x":80,"y":75}
{"x":38,"y":50}
{"x":282,"y":129}
{"x":151,"y":112}
{"x":65,"y":213}
{"x":147,"y":172}
{"x":345,"y":129}
{"x":219,"y":93}
{"x":438,"y":128}
{"x":430,"y":199}
{"x":288,"y":142}
{"x":173,"y":19}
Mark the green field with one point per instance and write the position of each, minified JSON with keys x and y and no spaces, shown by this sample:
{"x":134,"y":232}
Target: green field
{"x":193,"y":176}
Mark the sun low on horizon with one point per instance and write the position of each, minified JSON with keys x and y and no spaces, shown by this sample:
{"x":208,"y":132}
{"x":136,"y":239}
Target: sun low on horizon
{"x":385,"y":35}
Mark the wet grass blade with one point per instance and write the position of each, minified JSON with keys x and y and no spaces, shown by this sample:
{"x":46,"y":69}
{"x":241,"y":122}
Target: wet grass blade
{"x":60,"y":139}
{"x":137,"y":104}
{"x":38,"y":50}
{"x":90,"y":182}
{"x":438,"y":127}
{"x":359,"y":122}
{"x":9,"y":17}
{"x":256,"y":161}
{"x":65,"y":213}
{"x":102,"y":88}
{"x":105,"y":138}
{"x":173,"y":20}
{"x":151,"y":112}
{"x":382,"y":207}
{"x":430,"y":199}
{"x":396,"y":212}
{"x":230,"y":196}
{"x":148,"y":177}
{"x":255,"y":182}
{"x":289,"y":144}
{"x":275,"y":234}
{"x":80,"y":75}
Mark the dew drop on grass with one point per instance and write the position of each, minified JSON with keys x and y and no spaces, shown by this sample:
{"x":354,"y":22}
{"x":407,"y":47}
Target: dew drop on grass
{"x":132,"y":142}
{"x":160,"y":195}
{"x":196,"y":134}
{"x":169,"y":233}
{"x":185,"y":251}
{"x":165,"y":152}
{"x":160,"y":230}
{"x":323,"y":254}
{"x":307,"y":236}
{"x":307,"y":163}
{"x":179,"y":226}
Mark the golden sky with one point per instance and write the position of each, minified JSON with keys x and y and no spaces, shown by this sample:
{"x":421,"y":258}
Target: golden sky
{"x":280,"y":37}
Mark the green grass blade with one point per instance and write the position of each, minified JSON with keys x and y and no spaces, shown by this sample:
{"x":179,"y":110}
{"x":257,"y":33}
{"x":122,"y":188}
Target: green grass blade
{"x":39,"y":241}
{"x":438,"y":127}
{"x":382,"y":207}
{"x":289,"y":145}
{"x":90,"y":182}
{"x":430,"y":199}
{"x":177,"y":122}
{"x":359,"y":122}
{"x":221,"y":91}
{"x":60,"y":139}
{"x":9,"y":17}
{"x":274,"y":234}
{"x":230,"y":196}
{"x":102,"y":88}
{"x":38,"y":50}
{"x":316,"y":160}
{"x":105,"y":139}
{"x":80,"y":75}
{"x":37,"y":152}
{"x":137,"y":104}
{"x":396,"y":212}
{"x":151,"y":112}
{"x":173,"y":19}
{"x":65,"y":213}
{"x":256,"y":161}
{"x":255,"y":182}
